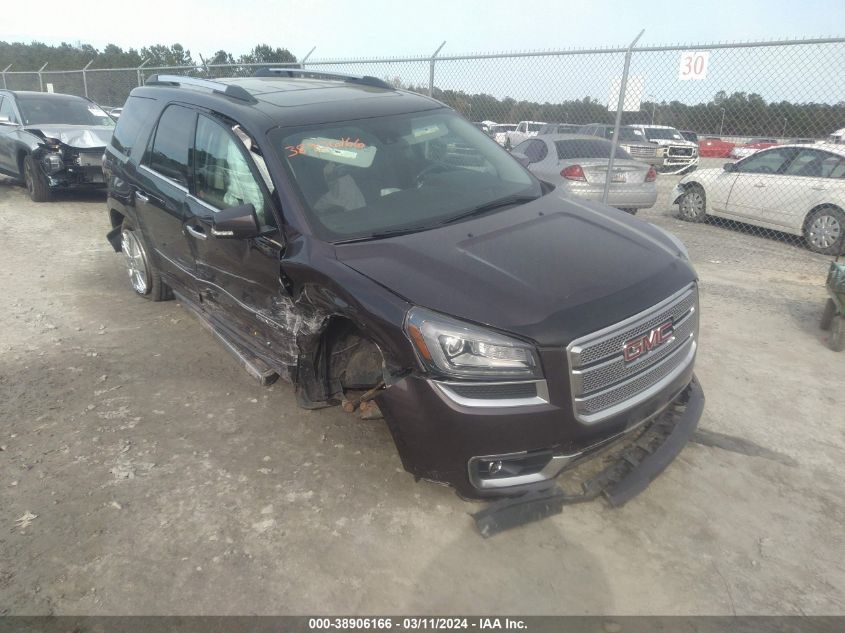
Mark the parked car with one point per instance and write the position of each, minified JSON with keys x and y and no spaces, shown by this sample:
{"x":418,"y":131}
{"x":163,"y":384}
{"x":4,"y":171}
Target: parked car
{"x":558,"y":128}
{"x":499,"y":132}
{"x":689,"y":135}
{"x":681,"y":154}
{"x":326,"y":242}
{"x":714,"y":147}
{"x":632,"y":141}
{"x":52,"y":141}
{"x":524,"y":130}
{"x":752,"y":146}
{"x":797,"y":189}
{"x":578,"y":164}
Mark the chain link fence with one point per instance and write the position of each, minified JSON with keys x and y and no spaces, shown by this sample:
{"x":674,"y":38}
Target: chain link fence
{"x":746,"y":139}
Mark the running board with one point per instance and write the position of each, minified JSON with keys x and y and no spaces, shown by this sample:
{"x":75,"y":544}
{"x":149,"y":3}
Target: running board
{"x":254,"y":366}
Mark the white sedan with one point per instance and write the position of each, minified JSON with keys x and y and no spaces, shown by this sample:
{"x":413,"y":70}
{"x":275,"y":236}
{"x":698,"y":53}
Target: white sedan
{"x":797,"y":189}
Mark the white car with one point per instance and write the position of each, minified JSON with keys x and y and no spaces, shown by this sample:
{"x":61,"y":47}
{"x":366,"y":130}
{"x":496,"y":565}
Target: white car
{"x":524,"y":130}
{"x":577,"y":165}
{"x":499,"y":132}
{"x":797,"y":189}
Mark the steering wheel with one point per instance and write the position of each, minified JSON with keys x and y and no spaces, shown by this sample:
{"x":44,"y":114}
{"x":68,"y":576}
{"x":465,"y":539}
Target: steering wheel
{"x":434,"y":168}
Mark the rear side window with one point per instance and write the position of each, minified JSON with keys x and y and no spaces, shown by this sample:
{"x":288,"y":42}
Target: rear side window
{"x":6,"y":110}
{"x":172,"y":143}
{"x":136,"y":113}
{"x":585,"y":148}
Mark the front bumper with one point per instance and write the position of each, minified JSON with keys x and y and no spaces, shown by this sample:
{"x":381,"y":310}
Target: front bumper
{"x":449,"y":442}
{"x":77,"y":178}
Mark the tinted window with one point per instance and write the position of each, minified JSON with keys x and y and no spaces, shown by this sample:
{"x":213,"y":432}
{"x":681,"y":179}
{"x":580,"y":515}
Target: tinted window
{"x":812,"y":163}
{"x":136,"y":112}
{"x":766,"y":162}
{"x":6,"y":109}
{"x":222,"y":175}
{"x":534,"y":150}
{"x":587,"y":148}
{"x":173,"y":139}
{"x":62,"y":109}
{"x":663,"y":133}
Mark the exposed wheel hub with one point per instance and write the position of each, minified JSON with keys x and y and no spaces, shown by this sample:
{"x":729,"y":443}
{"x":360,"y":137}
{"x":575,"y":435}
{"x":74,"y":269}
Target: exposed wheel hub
{"x":136,"y":262}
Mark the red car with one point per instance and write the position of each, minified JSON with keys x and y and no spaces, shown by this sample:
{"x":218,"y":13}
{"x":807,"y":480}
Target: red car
{"x":752,"y":146}
{"x":714,"y":147}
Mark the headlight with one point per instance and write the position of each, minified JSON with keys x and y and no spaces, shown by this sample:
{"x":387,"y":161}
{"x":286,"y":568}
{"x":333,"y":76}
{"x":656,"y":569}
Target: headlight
{"x":448,"y":346}
{"x":52,"y":163}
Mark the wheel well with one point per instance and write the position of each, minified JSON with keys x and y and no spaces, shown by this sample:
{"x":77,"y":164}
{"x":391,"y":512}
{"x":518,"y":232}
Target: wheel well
{"x":819,"y":207}
{"x":22,"y":154}
{"x":116,"y":218}
{"x":354,"y":361}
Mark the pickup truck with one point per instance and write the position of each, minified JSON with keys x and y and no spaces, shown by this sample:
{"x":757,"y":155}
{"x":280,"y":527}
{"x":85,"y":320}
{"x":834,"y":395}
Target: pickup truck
{"x":524,"y":130}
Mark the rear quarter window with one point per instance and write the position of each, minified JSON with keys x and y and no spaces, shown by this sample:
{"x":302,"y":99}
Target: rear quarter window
{"x":137,"y":115}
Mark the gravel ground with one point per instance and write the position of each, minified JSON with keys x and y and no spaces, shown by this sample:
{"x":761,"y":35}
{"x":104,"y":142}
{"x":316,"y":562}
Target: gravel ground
{"x":143,"y":472}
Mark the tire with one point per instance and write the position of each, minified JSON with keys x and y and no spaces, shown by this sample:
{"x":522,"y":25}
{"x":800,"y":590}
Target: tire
{"x":692,"y":206}
{"x":824,"y":231}
{"x":144,"y":277}
{"x":836,"y":340}
{"x":35,"y":181}
{"x":828,"y":314}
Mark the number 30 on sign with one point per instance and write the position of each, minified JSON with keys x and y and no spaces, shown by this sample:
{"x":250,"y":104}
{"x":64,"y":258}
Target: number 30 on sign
{"x":693,"y":65}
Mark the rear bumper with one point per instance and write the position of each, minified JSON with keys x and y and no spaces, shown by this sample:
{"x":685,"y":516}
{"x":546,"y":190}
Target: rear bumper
{"x":643,"y":197}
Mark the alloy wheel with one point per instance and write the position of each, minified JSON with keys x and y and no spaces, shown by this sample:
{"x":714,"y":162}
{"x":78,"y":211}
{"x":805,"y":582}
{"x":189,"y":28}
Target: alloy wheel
{"x":692,"y":205}
{"x":136,"y":262}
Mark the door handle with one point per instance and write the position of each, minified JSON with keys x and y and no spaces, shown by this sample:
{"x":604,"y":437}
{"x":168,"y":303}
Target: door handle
{"x":759,"y":185}
{"x":140,"y":196}
{"x":196,"y":231}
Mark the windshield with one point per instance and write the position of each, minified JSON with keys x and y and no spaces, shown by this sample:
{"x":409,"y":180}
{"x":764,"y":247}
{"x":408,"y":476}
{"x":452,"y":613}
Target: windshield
{"x":663,"y":133}
{"x":587,"y":148}
{"x":509,"y":127}
{"x":61,"y":110}
{"x":534,"y":127}
{"x":405,"y":172}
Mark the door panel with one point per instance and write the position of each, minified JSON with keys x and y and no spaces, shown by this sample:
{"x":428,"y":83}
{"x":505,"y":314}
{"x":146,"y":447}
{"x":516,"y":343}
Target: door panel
{"x":238,"y":279}
{"x":757,"y":187}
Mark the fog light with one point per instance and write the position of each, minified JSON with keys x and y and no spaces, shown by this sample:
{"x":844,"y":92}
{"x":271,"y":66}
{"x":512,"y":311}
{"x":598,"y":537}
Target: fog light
{"x":494,"y":467}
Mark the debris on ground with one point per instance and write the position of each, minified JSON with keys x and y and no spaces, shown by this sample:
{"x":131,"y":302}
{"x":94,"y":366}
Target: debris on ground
{"x":26,"y":520}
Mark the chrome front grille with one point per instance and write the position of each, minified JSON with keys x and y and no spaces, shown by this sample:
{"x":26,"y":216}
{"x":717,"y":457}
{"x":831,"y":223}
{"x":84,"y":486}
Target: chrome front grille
{"x":647,"y":152}
{"x":604,"y":383}
{"x":680,"y":152}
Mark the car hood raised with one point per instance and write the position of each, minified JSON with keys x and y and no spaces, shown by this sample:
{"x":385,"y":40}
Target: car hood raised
{"x":78,"y":136}
{"x":550,"y":270}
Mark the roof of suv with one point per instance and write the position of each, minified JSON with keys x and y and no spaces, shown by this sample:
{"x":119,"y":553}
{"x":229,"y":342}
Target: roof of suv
{"x":294,"y":100}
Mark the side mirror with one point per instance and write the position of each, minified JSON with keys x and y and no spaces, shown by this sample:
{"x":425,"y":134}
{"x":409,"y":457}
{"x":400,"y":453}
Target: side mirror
{"x":238,"y":222}
{"x":729,"y":167}
{"x":521,"y":158}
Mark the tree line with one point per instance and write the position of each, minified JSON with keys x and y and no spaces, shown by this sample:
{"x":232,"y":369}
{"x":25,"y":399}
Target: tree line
{"x":734,"y":114}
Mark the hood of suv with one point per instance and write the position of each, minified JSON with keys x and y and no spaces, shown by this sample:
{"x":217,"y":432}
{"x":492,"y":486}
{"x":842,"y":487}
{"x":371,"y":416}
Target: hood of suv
{"x":550,"y":270}
{"x":78,"y":136}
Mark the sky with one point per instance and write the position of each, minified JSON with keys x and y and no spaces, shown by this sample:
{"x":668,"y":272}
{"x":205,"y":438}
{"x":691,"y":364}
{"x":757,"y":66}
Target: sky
{"x":379,"y":28}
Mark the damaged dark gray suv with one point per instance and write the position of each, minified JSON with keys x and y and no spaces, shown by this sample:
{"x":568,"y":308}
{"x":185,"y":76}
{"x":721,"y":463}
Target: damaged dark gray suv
{"x":345,"y":235}
{"x":51,"y":142}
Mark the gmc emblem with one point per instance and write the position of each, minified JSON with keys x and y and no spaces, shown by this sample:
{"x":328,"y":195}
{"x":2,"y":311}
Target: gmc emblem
{"x":636,"y":347}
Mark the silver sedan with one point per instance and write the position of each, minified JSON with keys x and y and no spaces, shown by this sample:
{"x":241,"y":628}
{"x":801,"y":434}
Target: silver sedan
{"x":578,"y":165}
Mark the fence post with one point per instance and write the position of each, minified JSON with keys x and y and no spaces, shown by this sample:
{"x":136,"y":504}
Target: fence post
{"x":138,"y":71}
{"x":85,"y":78}
{"x":431,"y":69}
{"x":305,"y":59}
{"x":4,"y":75}
{"x":617,"y":123}
{"x":204,"y":66}
{"x":40,"y":82}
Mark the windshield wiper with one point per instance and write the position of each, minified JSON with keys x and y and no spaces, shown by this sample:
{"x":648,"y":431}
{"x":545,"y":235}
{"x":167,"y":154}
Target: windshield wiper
{"x":383,"y":234}
{"x":490,"y":206}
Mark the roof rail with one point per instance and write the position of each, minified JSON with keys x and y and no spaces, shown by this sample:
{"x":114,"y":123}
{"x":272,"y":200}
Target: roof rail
{"x":364,"y":80}
{"x":230,"y":90}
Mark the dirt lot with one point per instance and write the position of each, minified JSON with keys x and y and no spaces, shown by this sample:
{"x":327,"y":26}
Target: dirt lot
{"x":160,"y":478}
